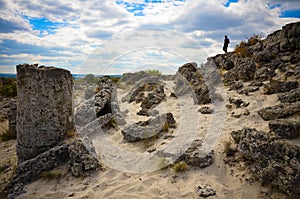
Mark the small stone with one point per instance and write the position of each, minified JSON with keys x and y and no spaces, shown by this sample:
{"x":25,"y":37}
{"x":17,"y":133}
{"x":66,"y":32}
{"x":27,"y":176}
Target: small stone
{"x":206,"y":110}
{"x":205,"y":191}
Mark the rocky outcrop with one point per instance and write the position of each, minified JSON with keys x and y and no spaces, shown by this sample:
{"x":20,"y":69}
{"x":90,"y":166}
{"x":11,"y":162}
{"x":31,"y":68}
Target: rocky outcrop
{"x":105,"y":96}
{"x":276,"y":86}
{"x":273,"y":161}
{"x":100,"y":106}
{"x":152,"y":100}
{"x":279,"y":111}
{"x":79,"y":154}
{"x":292,"y":96}
{"x":285,"y":129}
{"x":45,"y":112}
{"x":195,"y":157}
{"x":286,"y":39}
{"x":82,"y":157}
{"x":189,"y":78}
{"x":258,"y":59}
{"x":148,"y":129}
{"x":244,"y":71}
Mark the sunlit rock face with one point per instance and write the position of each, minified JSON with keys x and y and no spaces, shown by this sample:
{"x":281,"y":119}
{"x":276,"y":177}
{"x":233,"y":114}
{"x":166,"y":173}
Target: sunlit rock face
{"x":44,"y":109}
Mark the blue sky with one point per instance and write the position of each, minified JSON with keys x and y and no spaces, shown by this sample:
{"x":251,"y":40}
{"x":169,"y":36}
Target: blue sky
{"x":116,"y":36}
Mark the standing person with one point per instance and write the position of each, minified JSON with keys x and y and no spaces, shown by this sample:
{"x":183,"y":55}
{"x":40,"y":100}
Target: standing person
{"x":226,"y":42}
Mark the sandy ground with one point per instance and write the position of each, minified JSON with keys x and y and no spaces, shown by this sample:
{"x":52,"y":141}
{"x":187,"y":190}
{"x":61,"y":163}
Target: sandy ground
{"x":235,"y":182}
{"x":8,"y":156}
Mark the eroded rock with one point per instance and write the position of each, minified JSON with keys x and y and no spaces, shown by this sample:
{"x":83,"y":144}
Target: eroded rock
{"x":285,"y":129}
{"x":148,"y":129}
{"x":273,"y":161}
{"x":45,"y":111}
{"x":279,"y":111}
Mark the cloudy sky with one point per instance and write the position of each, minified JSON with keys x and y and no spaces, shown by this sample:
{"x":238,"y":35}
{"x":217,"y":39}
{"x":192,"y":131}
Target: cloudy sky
{"x":116,"y":36}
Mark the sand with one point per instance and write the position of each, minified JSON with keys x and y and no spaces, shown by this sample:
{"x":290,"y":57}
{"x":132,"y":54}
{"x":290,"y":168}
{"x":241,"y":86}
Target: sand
{"x":116,"y":180}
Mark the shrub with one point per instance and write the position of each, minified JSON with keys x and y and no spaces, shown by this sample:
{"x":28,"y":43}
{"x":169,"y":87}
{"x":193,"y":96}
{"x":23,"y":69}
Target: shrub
{"x":166,"y":126}
{"x":153,"y":72}
{"x":241,"y":49}
{"x":8,"y":135}
{"x":180,"y":166}
{"x":254,"y":38}
{"x":9,"y":87}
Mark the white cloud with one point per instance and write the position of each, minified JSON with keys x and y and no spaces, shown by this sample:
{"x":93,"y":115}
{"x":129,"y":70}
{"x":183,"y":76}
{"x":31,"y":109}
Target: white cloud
{"x":92,"y":24}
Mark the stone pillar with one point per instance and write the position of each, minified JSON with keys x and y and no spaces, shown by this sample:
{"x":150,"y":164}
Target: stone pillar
{"x":45,"y":112}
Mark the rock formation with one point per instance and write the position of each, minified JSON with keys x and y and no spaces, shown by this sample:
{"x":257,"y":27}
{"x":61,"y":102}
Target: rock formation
{"x":45,"y":125}
{"x":189,"y":78}
{"x":148,"y":129}
{"x":273,"y":161}
{"x":44,"y":109}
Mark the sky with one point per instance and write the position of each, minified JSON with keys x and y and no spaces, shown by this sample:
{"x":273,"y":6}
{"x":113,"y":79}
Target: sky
{"x":117,"y":36}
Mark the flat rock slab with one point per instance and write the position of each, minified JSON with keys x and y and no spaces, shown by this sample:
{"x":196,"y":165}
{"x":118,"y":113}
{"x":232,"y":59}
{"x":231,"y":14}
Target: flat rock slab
{"x":148,"y":129}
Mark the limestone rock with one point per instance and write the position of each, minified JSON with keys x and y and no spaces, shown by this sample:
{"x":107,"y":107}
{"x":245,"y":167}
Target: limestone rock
{"x":105,"y":96}
{"x":244,"y":71}
{"x":189,"y":78}
{"x":206,"y":110}
{"x":153,"y":98}
{"x":29,"y":170}
{"x":292,"y":96}
{"x":205,"y":190}
{"x":238,"y":102}
{"x":83,"y":157}
{"x":148,"y":129}
{"x":277,"y":86}
{"x":194,"y":156}
{"x":45,"y":112}
{"x":279,"y":111}
{"x":273,"y":161}
{"x":285,"y":129}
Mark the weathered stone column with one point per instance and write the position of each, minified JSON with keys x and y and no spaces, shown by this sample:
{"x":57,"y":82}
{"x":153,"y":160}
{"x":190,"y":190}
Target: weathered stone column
{"x":45,"y":112}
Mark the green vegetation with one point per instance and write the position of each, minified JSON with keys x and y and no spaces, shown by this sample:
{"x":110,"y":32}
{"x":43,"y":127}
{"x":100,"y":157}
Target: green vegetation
{"x":8,"y":135}
{"x":8,"y":87}
{"x":50,"y":175}
{"x":153,"y":72}
{"x":180,"y":166}
{"x":114,"y":79}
